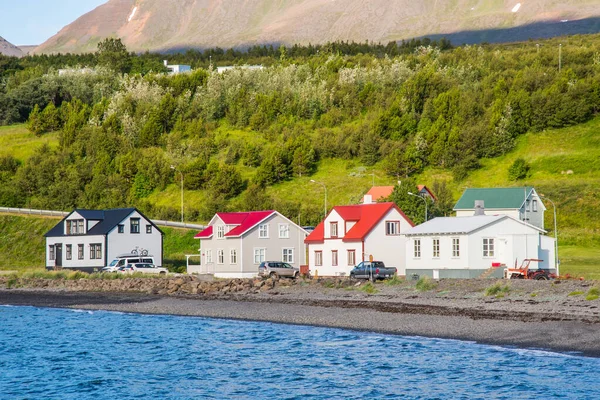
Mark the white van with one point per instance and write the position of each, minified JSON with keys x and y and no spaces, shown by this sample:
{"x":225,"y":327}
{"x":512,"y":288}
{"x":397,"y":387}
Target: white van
{"x":125,"y":259}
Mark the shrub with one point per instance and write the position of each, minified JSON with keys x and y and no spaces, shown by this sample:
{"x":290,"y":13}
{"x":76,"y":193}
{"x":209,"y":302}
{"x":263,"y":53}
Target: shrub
{"x":593,"y":294}
{"x":395,"y":280}
{"x":518,"y":170}
{"x":575,"y":293}
{"x":425,"y":283}
{"x":497,"y":290}
{"x":369,"y":288}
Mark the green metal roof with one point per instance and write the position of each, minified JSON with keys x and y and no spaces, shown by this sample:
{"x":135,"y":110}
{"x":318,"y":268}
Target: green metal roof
{"x":493,"y":198}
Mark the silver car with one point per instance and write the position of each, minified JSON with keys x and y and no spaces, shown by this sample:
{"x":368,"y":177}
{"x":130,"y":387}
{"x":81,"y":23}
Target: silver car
{"x":277,"y":268}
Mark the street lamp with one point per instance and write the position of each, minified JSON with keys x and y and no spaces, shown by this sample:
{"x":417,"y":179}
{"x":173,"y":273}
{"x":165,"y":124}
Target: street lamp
{"x":325,"y":188}
{"x":556,"y":260}
{"x":181,"y":173}
{"x":422,"y":198}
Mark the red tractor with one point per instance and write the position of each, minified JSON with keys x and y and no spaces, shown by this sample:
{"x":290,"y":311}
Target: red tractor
{"x":523,"y":272}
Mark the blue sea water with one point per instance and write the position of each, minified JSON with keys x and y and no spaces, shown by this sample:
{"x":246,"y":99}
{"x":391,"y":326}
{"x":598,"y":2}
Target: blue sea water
{"x":76,"y":354}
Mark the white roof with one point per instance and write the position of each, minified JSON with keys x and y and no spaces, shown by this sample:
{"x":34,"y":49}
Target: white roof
{"x":459,"y":225}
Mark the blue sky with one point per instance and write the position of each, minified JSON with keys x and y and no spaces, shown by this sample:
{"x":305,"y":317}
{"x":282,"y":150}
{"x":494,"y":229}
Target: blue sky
{"x":34,"y":21}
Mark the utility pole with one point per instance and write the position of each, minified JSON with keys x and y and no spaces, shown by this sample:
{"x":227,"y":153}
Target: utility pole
{"x":559,"y":57}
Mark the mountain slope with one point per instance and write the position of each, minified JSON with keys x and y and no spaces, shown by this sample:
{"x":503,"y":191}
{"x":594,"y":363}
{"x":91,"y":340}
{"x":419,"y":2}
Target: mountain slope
{"x":9,"y":49}
{"x":164,"y":25}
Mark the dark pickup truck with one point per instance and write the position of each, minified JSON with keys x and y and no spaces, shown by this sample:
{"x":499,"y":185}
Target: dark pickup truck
{"x":372,"y":270}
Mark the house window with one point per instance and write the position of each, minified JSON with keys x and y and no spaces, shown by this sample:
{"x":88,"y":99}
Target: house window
{"x":75,"y":227}
{"x":528,"y":205}
{"x":135,"y":225}
{"x":455,"y":247}
{"x":534,"y":205}
{"x":288,"y":256}
{"x":96,"y":251}
{"x":259,"y":255}
{"x":220,"y":232}
{"x":284,"y":231}
{"x":263,"y":231}
{"x":417,"y":248}
{"x":69,"y":251}
{"x":436,"y":248}
{"x":334,"y":258}
{"x":233,"y":256}
{"x":351,"y":257}
{"x":333,"y":232}
{"x":392,"y":228}
{"x":80,"y":252}
{"x":148,"y":228}
{"x":121,"y":228}
{"x":208,"y":256}
{"x":51,"y":252}
{"x":318,"y":258}
{"x":220,"y":256}
{"x":488,"y":247}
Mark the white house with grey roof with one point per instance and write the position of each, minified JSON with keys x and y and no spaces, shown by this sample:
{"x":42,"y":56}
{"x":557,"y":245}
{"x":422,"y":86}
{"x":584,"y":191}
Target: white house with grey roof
{"x":466,"y":247}
{"x":522,"y":203}
{"x":87,"y":240}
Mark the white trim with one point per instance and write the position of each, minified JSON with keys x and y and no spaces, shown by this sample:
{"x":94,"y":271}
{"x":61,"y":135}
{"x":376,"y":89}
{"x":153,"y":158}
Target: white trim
{"x":232,"y":275}
{"x":232,"y":253}
{"x":264,"y":257}
{"x":265,"y":225}
{"x":287,"y":231}
{"x":283,"y":257}
{"x":220,"y":254}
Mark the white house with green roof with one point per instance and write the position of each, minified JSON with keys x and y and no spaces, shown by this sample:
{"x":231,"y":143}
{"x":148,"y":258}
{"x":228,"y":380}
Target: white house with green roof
{"x":522,"y":203}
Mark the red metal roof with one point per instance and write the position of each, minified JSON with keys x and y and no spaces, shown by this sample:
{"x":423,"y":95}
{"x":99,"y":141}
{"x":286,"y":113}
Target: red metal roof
{"x":206,"y":233}
{"x":248,"y":221}
{"x":367,"y":216}
{"x":244,"y":221}
{"x":380,"y":192}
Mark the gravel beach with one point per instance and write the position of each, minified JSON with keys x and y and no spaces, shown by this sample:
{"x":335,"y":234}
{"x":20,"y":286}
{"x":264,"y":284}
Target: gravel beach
{"x":545,"y":315}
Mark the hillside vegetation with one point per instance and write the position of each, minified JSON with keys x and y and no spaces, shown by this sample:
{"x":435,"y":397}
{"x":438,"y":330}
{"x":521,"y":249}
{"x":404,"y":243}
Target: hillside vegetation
{"x":254,"y":139}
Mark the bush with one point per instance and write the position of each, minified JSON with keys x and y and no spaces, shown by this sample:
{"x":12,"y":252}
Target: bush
{"x":369,"y":288}
{"x":497,"y":290}
{"x":425,"y":284}
{"x":593,"y":294}
{"x":518,"y":170}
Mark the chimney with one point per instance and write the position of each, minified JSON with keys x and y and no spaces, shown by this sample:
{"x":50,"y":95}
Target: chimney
{"x":166,"y":63}
{"x":479,"y":208}
{"x":368,"y":199}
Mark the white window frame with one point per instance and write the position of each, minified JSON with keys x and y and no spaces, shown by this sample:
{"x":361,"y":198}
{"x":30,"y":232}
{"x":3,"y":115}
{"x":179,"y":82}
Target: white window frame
{"x":455,"y":247}
{"x":220,"y":256}
{"x":232,"y":256}
{"x":416,"y":248}
{"x":351,"y":258}
{"x":260,"y":255}
{"x":208,"y":255}
{"x":333,"y":232}
{"x":318,"y":258}
{"x":284,"y":231}
{"x":69,"y":251}
{"x":534,"y":205}
{"x":263,"y":231}
{"x":334,"y":258}
{"x":392,"y":228}
{"x":220,"y":232}
{"x":436,"y":247}
{"x":488,"y":247}
{"x":80,"y":252}
{"x":287,"y":255}
{"x":96,"y":251}
{"x":51,"y":252}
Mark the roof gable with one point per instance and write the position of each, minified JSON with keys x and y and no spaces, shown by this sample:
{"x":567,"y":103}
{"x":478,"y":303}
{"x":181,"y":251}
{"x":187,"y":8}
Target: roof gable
{"x":494,"y":198}
{"x":366,"y":216}
{"x":250,"y":221}
{"x":108,"y":220}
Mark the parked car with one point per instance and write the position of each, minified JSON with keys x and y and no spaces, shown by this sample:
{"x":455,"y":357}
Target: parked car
{"x":144,"y":268}
{"x":277,"y":268}
{"x":125,"y":259}
{"x":372,"y":270}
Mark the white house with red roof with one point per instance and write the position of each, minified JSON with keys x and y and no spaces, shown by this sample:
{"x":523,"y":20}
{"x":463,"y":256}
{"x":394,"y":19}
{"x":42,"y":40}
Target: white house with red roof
{"x":351,"y":234}
{"x":234,"y":244}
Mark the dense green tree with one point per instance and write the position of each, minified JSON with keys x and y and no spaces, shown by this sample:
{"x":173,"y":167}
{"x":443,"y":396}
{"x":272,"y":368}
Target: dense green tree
{"x":113,"y":54}
{"x":518,"y":170}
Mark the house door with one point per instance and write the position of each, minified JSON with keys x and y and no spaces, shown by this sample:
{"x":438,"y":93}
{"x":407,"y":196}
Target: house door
{"x":58,"y":250}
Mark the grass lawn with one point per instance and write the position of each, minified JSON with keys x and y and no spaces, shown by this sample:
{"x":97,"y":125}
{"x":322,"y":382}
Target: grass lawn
{"x":17,"y":141}
{"x":580,"y":261}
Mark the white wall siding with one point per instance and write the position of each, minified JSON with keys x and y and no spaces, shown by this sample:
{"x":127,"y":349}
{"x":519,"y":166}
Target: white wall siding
{"x":121,"y":243}
{"x":74,"y":241}
{"x":388,"y":248}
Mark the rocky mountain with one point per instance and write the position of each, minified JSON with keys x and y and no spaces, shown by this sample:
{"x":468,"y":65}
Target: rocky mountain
{"x":9,"y":49}
{"x":166,"y":25}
